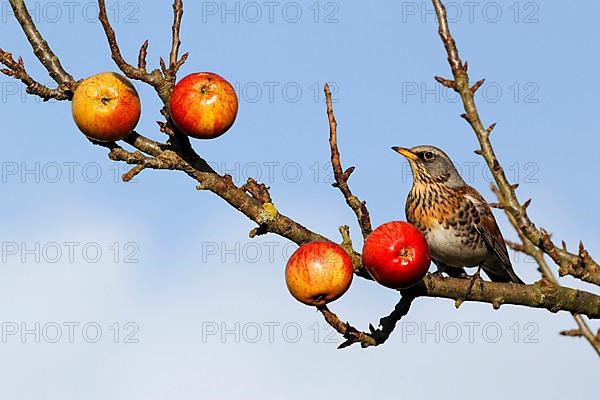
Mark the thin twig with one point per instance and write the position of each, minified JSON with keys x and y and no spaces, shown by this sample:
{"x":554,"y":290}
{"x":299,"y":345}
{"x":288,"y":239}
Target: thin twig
{"x":176,"y":41}
{"x":388,"y":324}
{"x":376,"y":337}
{"x":174,"y":62}
{"x":351,"y":334}
{"x":142,"y":56}
{"x":341,"y":177}
{"x":16,"y":69}
{"x":259,"y":191}
{"x":154,"y":78}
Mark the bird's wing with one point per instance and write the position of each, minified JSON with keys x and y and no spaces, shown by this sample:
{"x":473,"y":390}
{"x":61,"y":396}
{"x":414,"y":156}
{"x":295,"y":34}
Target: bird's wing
{"x":488,"y":228}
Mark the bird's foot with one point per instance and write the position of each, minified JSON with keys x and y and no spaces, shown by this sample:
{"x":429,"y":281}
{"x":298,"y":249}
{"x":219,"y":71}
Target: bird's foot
{"x":461,"y":275}
{"x":452,"y":272}
{"x":476,"y":277}
{"x":438,"y":273}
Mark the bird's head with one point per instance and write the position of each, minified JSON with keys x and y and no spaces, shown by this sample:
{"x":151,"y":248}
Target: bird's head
{"x":431,"y":165}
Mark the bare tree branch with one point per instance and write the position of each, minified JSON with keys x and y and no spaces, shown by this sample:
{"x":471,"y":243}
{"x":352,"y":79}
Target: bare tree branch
{"x":542,"y":294}
{"x":530,"y":249}
{"x":580,"y":265}
{"x":351,"y":334}
{"x":533,"y":240}
{"x":583,"y":268}
{"x":376,"y":337}
{"x":259,"y":191}
{"x":162,"y":80}
{"x":154,"y":78}
{"x":341,"y":177}
{"x":16,"y":69}
{"x":585,"y":332}
{"x":166,"y":160}
{"x":176,"y":42}
{"x":144,"y":144}
{"x":174,"y":62}
{"x":40,"y":47}
{"x":388,"y":324}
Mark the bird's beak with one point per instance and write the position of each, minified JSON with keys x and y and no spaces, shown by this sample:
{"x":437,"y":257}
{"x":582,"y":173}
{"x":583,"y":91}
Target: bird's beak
{"x":405,"y":152}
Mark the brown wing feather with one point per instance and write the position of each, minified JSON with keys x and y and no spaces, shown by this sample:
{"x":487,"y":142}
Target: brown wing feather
{"x":490,"y":232}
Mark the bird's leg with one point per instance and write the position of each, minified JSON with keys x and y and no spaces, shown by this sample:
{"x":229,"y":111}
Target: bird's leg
{"x":440,"y":268}
{"x":453,"y":272}
{"x":476,"y":276}
{"x":438,"y":273}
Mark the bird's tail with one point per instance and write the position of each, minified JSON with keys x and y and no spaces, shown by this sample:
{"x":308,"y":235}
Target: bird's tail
{"x":501,"y":273}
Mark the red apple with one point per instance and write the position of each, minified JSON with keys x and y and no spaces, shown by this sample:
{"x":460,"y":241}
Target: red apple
{"x":106,"y":107}
{"x":203,"y":105}
{"x":396,"y":255}
{"x":318,"y":273}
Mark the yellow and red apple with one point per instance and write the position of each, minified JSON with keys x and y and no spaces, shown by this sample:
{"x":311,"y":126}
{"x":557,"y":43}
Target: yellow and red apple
{"x":106,"y":107}
{"x":318,"y":273}
{"x":203,"y":105}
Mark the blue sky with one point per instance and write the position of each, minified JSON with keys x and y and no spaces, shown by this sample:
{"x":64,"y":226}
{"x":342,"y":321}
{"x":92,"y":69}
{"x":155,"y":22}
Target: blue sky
{"x":195,"y":307}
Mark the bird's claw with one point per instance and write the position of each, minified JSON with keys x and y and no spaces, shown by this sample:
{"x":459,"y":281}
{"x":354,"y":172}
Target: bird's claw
{"x":476,"y":277}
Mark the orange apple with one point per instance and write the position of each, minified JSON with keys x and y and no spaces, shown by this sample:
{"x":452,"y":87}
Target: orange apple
{"x":318,"y":273}
{"x":203,"y":105}
{"x":106,"y":107}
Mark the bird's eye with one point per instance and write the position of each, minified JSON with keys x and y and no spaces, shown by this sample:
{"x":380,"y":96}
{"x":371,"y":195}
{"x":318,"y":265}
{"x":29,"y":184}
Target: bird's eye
{"x":428,"y":156}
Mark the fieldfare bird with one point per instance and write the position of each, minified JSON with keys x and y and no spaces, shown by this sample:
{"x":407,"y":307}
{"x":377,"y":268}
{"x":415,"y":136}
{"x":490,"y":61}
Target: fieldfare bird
{"x":456,"y":220}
